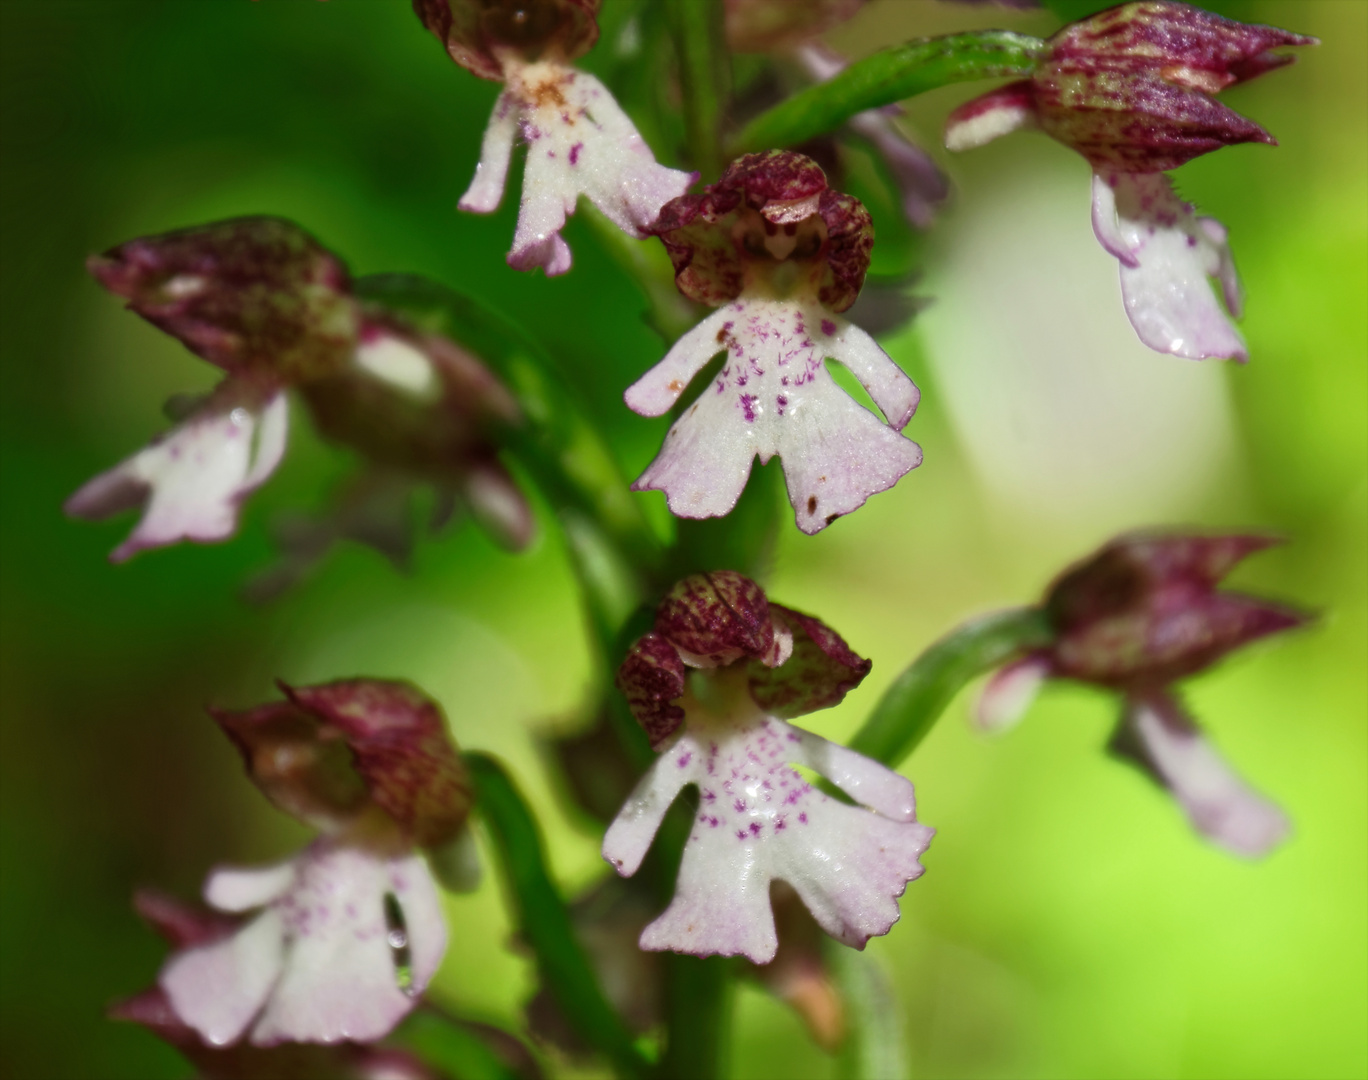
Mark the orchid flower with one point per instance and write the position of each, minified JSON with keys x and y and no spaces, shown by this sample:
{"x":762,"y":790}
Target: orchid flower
{"x":348,"y":933}
{"x":780,"y":255}
{"x":1136,"y":617}
{"x":579,"y":141}
{"x":713,"y":684}
{"x":1130,"y":89}
{"x":261,"y":299}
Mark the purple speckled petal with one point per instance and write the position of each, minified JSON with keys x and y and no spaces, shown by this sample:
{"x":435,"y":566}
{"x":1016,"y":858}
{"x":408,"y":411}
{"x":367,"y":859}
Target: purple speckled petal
{"x":1157,"y":735}
{"x":775,"y":396}
{"x":718,"y":618}
{"x":758,"y":821}
{"x":1168,"y":298}
{"x":191,"y":481}
{"x":651,"y":677}
{"x":579,"y":142}
{"x":339,"y":979}
{"x":1008,"y":694}
{"x":218,"y":988}
{"x":487,"y":188}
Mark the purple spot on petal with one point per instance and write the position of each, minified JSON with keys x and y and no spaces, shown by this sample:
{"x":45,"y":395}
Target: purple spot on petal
{"x":685,"y":758}
{"x":828,"y":327}
{"x":803,"y":818}
{"x":575,"y":153}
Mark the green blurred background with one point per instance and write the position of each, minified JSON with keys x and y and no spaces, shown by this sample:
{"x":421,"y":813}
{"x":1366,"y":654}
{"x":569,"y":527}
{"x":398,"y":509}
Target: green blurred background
{"x":1070,"y":924}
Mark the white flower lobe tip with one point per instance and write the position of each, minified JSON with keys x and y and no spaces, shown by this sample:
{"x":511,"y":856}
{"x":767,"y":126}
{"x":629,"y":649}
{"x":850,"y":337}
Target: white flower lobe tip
{"x":396,"y":361}
{"x":1167,"y":255}
{"x":759,"y":821}
{"x":1008,"y":695}
{"x":579,"y":142}
{"x":321,"y":962}
{"x":995,"y":114}
{"x":774,"y":395}
{"x":190,"y":481}
{"x":1217,"y":802}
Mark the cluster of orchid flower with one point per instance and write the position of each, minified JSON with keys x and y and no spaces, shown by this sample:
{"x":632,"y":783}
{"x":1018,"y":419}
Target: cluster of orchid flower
{"x":346,"y":936}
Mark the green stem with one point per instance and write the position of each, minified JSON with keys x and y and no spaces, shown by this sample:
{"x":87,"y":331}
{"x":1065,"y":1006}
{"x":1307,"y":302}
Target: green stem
{"x":704,"y":75}
{"x":911,"y":706}
{"x":894,"y":74}
{"x":543,"y":920}
{"x":698,"y":1000}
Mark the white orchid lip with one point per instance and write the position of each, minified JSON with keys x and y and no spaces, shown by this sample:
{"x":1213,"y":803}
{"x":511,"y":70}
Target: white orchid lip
{"x":191,"y":481}
{"x":320,"y":962}
{"x":1167,"y":254}
{"x":775,"y":396}
{"x":579,"y":142}
{"x":760,"y":821}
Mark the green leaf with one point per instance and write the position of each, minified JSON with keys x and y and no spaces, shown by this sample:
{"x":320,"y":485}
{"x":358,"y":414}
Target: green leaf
{"x":894,"y":74}
{"x":544,"y":922}
{"x":915,"y":701}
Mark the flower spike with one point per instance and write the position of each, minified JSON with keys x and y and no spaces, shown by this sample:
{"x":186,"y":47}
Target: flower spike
{"x":782,"y":255}
{"x":1131,"y":90}
{"x":1135,"y":618}
{"x":579,"y":141}
{"x":759,"y":821}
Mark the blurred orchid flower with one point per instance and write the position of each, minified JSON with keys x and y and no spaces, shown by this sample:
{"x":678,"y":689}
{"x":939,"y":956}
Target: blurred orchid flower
{"x":579,"y":141}
{"x":348,"y":933}
{"x":1131,"y":90}
{"x":261,"y":299}
{"x":1136,"y":617}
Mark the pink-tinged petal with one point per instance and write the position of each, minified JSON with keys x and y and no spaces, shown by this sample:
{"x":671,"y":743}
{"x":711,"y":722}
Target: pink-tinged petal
{"x":655,"y":393}
{"x":191,"y":480}
{"x":499,"y":505}
{"x":995,"y":114}
{"x":758,"y":821}
{"x":217,"y":989}
{"x":235,"y":889}
{"x":651,"y":678}
{"x":341,"y":977}
{"x":487,"y":188}
{"x":1106,"y":226}
{"x":773,"y":396}
{"x":629,"y":836}
{"x":1168,"y":298}
{"x":818,"y":674}
{"x":1008,"y":694}
{"x":717,"y":618}
{"x":579,"y":142}
{"x":1157,"y":735}
{"x":863,"y":779}
{"x":893,"y":392}
{"x":1231,"y":290}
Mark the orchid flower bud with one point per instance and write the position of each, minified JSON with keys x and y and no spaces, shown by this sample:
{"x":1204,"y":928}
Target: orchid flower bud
{"x":1135,"y":618}
{"x":579,"y":141}
{"x":780,"y":255}
{"x":748,"y":664}
{"x":1131,"y":90}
